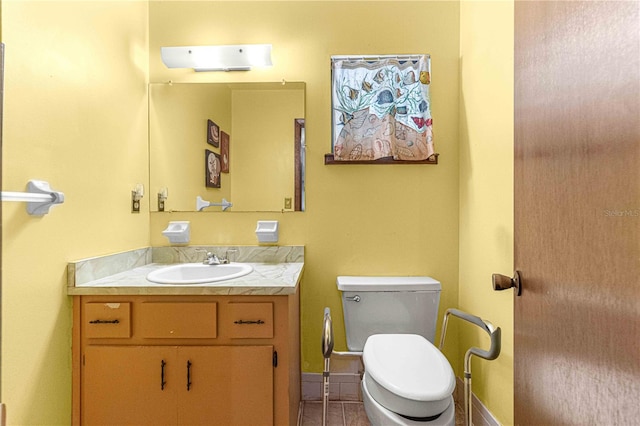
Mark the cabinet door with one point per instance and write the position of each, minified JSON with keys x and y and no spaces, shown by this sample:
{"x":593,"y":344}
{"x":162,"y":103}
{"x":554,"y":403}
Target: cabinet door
{"x":129,"y":385}
{"x":226,"y":385}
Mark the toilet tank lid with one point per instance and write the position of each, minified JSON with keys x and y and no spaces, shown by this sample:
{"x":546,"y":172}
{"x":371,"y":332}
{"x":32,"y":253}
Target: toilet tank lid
{"x":353,"y":283}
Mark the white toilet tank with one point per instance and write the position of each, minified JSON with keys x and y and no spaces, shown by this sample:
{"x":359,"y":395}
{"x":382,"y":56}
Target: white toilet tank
{"x":388,"y":305}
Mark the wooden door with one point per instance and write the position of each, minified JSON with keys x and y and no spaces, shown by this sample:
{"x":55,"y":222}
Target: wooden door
{"x":123,"y":385}
{"x":577,"y":212}
{"x":228,"y":385}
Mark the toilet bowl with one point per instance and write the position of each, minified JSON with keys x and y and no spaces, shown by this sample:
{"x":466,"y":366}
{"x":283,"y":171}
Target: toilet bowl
{"x":380,"y":416}
{"x":408,"y":375}
{"x":391,"y":320}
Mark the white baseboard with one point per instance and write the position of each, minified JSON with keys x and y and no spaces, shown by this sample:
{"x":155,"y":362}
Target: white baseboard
{"x":480,"y":415}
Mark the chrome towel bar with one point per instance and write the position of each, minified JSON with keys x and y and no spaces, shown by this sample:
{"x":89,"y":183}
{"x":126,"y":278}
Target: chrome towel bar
{"x":39,"y":197}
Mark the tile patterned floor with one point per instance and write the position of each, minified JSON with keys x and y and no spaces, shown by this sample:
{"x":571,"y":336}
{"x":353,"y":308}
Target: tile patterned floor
{"x":342,"y":413}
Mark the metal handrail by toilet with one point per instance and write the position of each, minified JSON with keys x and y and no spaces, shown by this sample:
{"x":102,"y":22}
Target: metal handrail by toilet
{"x":490,"y":354}
{"x":327,"y":352}
{"x":327,"y":349}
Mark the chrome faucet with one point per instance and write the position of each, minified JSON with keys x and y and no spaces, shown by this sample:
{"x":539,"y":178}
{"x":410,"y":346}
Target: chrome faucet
{"x":212,"y":259}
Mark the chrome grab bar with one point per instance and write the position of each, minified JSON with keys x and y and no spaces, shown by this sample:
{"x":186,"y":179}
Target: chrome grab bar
{"x":491,"y":354}
{"x":327,"y":338}
{"x":493,"y":332}
{"x":327,"y":334}
{"x":327,"y":349}
{"x":327,"y":352}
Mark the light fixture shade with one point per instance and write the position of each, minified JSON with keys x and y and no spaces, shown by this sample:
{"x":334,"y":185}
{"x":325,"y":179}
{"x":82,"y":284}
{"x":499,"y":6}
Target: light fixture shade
{"x":240,"y":57}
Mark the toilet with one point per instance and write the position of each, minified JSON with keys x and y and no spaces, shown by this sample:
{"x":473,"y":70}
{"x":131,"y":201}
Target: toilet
{"x":392,"y":321}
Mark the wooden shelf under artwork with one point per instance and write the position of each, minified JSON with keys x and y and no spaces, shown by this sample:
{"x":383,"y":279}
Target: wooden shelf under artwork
{"x":328,"y":160}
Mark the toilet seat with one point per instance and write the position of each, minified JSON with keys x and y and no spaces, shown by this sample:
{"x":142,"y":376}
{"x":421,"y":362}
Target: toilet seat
{"x":380,"y":416}
{"x":407,"y":374}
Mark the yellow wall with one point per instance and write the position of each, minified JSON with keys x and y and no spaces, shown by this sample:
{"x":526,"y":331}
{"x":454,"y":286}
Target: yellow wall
{"x":75,"y":114}
{"x":381,"y":220}
{"x":486,"y":191}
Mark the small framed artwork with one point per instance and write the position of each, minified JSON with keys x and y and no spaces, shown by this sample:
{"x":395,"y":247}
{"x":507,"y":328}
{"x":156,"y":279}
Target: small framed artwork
{"x":213,"y":134}
{"x":212,"y":169}
{"x":224,"y":152}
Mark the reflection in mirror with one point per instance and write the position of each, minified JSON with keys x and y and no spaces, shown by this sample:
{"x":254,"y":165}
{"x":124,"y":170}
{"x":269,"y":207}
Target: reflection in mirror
{"x":264,"y":123}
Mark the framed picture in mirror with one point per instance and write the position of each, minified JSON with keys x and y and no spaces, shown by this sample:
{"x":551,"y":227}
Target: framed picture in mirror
{"x":212,"y":169}
{"x":224,"y":152}
{"x":213,"y":134}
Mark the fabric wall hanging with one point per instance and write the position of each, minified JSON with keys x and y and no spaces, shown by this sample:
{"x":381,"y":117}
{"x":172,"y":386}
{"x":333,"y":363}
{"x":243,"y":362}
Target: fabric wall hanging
{"x":381,"y":108}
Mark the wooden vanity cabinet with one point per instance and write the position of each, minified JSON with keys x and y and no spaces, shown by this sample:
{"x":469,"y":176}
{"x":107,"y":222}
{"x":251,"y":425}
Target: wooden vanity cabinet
{"x":186,"y":360}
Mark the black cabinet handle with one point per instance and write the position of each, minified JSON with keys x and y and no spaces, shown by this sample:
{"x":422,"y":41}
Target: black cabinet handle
{"x":189,"y":375}
{"x":115,"y":321}
{"x":249,"y":322}
{"x":162,"y":381}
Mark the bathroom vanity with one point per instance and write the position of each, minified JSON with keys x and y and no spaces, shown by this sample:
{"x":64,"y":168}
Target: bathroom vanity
{"x":225,"y":354}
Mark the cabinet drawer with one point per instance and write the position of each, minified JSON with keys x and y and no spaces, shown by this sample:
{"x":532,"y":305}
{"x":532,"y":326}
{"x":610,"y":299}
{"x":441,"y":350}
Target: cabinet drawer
{"x":178,"y":320}
{"x":107,"y":320}
{"x":250,"y":320}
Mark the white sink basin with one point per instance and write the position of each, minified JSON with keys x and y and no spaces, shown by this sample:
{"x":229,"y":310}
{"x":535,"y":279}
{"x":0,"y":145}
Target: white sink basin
{"x":198,"y":273}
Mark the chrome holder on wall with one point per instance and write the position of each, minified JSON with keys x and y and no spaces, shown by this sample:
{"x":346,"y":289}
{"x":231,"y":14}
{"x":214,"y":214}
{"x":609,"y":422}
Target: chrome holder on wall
{"x":39,"y":197}
{"x":202,"y":204}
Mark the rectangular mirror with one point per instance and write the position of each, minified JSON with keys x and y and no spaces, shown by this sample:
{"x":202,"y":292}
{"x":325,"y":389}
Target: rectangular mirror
{"x":242,"y":142}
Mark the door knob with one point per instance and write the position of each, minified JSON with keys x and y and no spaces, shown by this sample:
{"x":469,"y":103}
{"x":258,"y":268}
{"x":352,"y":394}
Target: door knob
{"x":502,"y":282}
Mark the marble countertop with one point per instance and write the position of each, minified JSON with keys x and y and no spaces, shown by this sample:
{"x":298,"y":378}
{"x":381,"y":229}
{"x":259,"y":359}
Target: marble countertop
{"x":265,"y":279}
{"x":276,"y":276}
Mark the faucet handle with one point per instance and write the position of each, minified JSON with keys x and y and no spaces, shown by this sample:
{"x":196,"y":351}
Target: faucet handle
{"x":211,"y":259}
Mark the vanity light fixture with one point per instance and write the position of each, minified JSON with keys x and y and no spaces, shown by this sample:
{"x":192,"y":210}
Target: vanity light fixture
{"x":239,"y":57}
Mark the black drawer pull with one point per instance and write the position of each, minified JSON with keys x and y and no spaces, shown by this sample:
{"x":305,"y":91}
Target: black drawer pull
{"x":248,"y":322}
{"x":189,"y":375}
{"x":162,"y":380}
{"x":115,"y":321}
